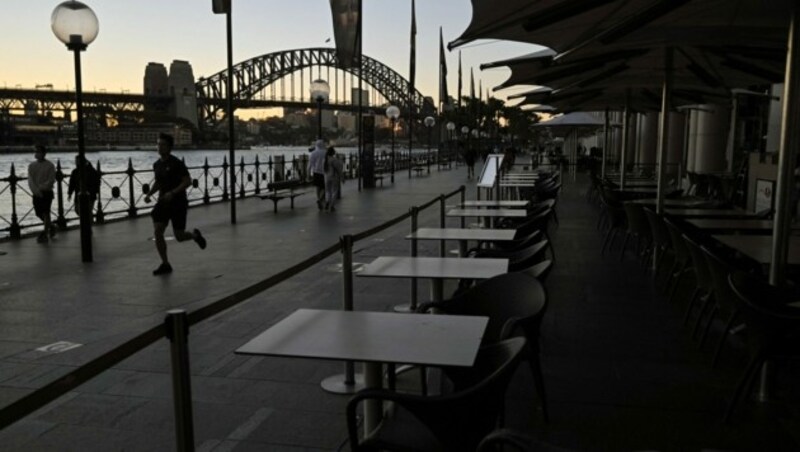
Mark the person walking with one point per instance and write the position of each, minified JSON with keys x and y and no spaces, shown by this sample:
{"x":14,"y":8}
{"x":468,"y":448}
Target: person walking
{"x":469,"y":158}
{"x":41,"y":178}
{"x":333,"y":177}
{"x":171,"y":181}
{"x":316,"y":170}
{"x":92,"y":179}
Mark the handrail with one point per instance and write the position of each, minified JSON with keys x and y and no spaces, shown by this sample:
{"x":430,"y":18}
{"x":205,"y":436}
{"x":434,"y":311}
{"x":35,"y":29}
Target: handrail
{"x":55,"y":389}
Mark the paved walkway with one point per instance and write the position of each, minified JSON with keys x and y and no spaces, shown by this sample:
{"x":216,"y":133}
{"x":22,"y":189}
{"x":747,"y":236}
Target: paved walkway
{"x":620,"y":374}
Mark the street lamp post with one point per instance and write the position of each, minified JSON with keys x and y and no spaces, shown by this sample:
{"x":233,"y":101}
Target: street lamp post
{"x":76,"y":25}
{"x":319,"y":92}
{"x":224,"y":7}
{"x":393,"y":113}
{"x":429,"y":123}
{"x":451,"y":126}
{"x":465,"y":133}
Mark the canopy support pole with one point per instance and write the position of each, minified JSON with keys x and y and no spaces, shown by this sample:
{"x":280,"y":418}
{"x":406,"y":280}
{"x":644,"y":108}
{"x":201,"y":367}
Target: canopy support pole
{"x":663,"y":129}
{"x":624,"y":154}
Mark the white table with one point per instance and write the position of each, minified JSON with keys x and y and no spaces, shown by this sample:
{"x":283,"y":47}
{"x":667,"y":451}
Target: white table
{"x":486,"y":214}
{"x":710,"y":213}
{"x":734,"y":224}
{"x":693,"y":203}
{"x":373,"y":338}
{"x":759,"y":247}
{"x":503,"y":204}
{"x":463,"y":235}
{"x":437,"y":269}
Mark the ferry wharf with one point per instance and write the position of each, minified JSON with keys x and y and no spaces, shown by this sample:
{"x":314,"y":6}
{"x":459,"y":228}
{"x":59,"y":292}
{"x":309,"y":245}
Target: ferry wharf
{"x":619,"y":373}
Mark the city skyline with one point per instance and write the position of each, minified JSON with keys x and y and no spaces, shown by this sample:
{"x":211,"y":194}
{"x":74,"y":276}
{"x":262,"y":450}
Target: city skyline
{"x":133,"y":34}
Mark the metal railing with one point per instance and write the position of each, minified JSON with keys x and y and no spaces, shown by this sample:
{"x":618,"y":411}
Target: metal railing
{"x":122,"y":192}
{"x":177,"y":323}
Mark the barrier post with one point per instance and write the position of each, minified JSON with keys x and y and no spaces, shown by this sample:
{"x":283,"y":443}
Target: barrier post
{"x":442,"y":223}
{"x":411,"y":307}
{"x":463,"y":200}
{"x":61,"y":220}
{"x":178,"y":334}
{"x":349,"y":382}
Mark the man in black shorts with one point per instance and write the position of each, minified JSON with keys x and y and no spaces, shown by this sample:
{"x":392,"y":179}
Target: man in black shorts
{"x":172,"y":180}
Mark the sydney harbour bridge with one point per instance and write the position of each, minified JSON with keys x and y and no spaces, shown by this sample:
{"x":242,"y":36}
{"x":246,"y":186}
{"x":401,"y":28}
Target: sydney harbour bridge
{"x":279,"y":79}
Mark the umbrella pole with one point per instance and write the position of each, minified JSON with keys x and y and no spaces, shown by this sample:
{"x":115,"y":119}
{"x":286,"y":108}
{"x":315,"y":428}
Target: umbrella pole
{"x":663,"y":129}
{"x":786,"y":160}
{"x":605,"y":146}
{"x":624,"y":154}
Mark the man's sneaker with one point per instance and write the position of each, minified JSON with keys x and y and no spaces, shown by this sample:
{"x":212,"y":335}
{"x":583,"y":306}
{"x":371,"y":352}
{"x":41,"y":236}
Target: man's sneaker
{"x":163,"y":269}
{"x":199,"y":239}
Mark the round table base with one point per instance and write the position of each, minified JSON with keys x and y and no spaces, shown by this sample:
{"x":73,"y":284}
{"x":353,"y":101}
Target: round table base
{"x":336,"y":384}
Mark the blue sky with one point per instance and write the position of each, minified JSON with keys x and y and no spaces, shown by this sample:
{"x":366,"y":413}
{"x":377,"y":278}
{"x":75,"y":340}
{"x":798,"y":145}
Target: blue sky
{"x":135,"y":32}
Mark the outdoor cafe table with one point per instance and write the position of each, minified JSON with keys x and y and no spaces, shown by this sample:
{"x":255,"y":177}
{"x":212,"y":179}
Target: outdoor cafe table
{"x":759,"y":247}
{"x":710,"y":213}
{"x":506,"y":204}
{"x":694,"y":203}
{"x":373,"y":338}
{"x":486,"y":214}
{"x":733,"y":225}
{"x":437,"y":269}
{"x":462,"y":235}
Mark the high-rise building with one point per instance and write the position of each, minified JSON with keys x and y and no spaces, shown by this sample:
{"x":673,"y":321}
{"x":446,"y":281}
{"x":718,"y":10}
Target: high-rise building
{"x":182,"y":90}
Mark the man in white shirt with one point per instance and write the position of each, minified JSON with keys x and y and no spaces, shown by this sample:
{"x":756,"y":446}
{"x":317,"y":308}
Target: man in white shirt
{"x":316,"y":169}
{"x":41,"y":177}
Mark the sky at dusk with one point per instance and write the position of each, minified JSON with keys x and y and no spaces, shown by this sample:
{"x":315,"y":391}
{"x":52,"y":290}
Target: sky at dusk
{"x":135,"y":32}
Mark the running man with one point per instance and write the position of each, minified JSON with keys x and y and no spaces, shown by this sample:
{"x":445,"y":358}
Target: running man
{"x":41,"y":178}
{"x":172,"y":180}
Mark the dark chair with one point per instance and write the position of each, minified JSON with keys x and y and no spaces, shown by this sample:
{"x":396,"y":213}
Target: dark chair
{"x":452,"y":422}
{"x":638,"y":228}
{"x":662,"y":245}
{"x":703,"y":291}
{"x":517,"y":259}
{"x":682,"y":261}
{"x":506,"y":440}
{"x":514,"y":302}
{"x":773,"y":327}
{"x":726,"y":303}
{"x":540,"y":271}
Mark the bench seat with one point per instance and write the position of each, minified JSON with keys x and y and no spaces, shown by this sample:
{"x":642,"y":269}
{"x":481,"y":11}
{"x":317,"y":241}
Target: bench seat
{"x":282,"y":190}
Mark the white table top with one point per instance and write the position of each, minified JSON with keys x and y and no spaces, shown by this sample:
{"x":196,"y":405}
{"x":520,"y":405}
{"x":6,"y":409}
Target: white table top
{"x":487,"y":213}
{"x":462,"y":234}
{"x":434,"y":267}
{"x":517,"y":183}
{"x":687,"y":203}
{"x":435,"y":340}
{"x":732,"y":223}
{"x":710,"y":212}
{"x":507,"y":203}
{"x":759,"y":247}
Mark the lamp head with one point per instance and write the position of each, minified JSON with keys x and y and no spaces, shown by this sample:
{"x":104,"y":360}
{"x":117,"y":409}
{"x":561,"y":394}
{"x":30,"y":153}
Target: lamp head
{"x":429,"y":121}
{"x":451,"y":126}
{"x":464,"y":130}
{"x":74,"y":24}
{"x":320,"y":90}
{"x":392,"y":112}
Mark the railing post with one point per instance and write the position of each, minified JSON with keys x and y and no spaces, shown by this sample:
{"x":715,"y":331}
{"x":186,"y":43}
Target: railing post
{"x":131,"y":195}
{"x":349,"y":383}
{"x":225,"y":179}
{"x":177,"y":326}
{"x":241,"y":178}
{"x":100,"y":217}
{"x":258,"y":175}
{"x":270,"y":174}
{"x":61,"y":221}
{"x":206,"y":195}
{"x":14,"y":229}
{"x":411,"y":307}
{"x":442,"y":223}
{"x":463,"y":190}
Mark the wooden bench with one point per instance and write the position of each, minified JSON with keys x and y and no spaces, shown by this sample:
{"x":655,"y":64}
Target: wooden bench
{"x":282,"y":190}
{"x":419,"y":169}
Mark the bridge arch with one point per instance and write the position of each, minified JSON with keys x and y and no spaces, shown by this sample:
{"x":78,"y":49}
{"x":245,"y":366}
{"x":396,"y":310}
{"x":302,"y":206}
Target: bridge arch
{"x":253,"y":75}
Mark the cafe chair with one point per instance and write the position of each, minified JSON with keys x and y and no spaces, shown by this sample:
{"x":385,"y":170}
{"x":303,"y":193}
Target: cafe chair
{"x":540,"y":271}
{"x":662,"y":246}
{"x":681,"y":265}
{"x":456,"y":421}
{"x":773,"y":327}
{"x":518,"y":259}
{"x":703,"y":284}
{"x":726,"y":302}
{"x":507,"y":440}
{"x":636,"y":227}
{"x":515,"y":303}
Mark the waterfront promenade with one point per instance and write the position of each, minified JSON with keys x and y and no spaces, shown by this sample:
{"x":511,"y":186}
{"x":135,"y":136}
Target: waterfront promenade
{"x":620,"y":374}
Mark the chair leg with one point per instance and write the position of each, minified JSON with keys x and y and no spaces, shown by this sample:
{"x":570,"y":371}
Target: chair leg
{"x":538,"y":379}
{"x":605,"y":241}
{"x":692,"y":299}
{"x":707,"y":329}
{"x":681,"y":271}
{"x":722,"y":338}
{"x":624,"y":244}
{"x":750,"y":371}
{"x":550,"y":244}
{"x":706,"y":303}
